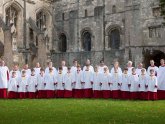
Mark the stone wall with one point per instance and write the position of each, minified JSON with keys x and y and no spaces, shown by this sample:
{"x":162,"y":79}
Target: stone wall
{"x":140,"y":30}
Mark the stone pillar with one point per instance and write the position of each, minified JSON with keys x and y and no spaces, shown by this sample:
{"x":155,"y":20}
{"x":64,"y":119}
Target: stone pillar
{"x":8,"y":54}
{"x":42,"y":54}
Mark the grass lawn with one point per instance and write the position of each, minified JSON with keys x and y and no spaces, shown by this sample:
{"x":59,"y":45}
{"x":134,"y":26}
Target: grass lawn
{"x":83,"y":111}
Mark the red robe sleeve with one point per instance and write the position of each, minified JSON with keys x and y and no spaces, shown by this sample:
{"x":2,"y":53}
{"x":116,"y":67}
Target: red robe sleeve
{"x":8,"y":75}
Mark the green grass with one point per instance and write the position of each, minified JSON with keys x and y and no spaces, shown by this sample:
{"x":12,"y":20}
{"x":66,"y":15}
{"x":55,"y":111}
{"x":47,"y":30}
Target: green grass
{"x":83,"y":111}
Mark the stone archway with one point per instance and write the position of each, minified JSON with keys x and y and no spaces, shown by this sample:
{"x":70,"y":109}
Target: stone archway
{"x":114,"y":39}
{"x":113,"y":36}
{"x":155,"y":55}
{"x":62,"y":43}
{"x":86,"y":41}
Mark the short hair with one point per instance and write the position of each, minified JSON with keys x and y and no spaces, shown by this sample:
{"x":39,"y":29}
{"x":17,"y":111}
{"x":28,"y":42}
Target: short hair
{"x":96,"y":66}
{"x":32,"y":69}
{"x":60,"y":68}
{"x":42,"y":69}
{"x":143,"y":69}
{"x":75,"y":60}
{"x":151,"y":70}
{"x":78,"y":66}
{"x":13,"y":72}
{"x":125,"y":69}
{"x":129,"y":62}
{"x":152,"y":60}
{"x":69,"y":68}
{"x":50,"y":69}
{"x":23,"y":72}
{"x":133,"y":68}
{"x":101,"y":61}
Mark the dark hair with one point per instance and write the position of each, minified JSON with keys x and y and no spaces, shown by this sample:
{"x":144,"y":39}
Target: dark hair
{"x":32,"y":69}
{"x":126,"y":69}
{"x":13,"y":72}
{"x":60,"y":68}
{"x":41,"y":69}
{"x":151,"y":70}
{"x":101,"y":61}
{"x":23,"y":72}
{"x":69,"y":68}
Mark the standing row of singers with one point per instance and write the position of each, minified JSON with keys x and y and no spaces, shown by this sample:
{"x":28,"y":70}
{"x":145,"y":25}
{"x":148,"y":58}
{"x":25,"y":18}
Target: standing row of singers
{"x":89,"y":82}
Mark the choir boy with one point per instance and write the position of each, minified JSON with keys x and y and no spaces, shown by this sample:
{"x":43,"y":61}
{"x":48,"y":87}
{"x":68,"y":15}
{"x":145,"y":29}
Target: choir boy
{"x":4,"y":78}
{"x":64,"y":68}
{"x":23,"y":85}
{"x":139,"y":68}
{"x":40,"y":84}
{"x":129,"y":66}
{"x":50,"y":81}
{"x":37,"y":69}
{"x":50,"y":65}
{"x":69,"y":80}
{"x":101,"y":66}
{"x":152,"y":66}
{"x":161,"y":80}
{"x":32,"y":85}
{"x":142,"y":84}
{"x":60,"y":83}
{"x":116,"y":83}
{"x":105,"y":84}
{"x":88,"y":63}
{"x":12,"y":86}
{"x":125,"y":94}
{"x":96,"y":81}
{"x":133,"y":84}
{"x":15,"y":69}
{"x":26,"y":68}
{"x":152,"y":85}
{"x":87,"y":74}
{"x":74,"y":67}
{"x":79,"y":83}
{"x":116,"y":67}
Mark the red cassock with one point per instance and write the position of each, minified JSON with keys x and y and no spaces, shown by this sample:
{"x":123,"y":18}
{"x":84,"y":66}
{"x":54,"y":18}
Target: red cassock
{"x":97,"y":94}
{"x":125,"y":95}
{"x":23,"y":95}
{"x":4,"y":78}
{"x":88,"y":93}
{"x":42,"y":94}
{"x":116,"y":94}
{"x":12,"y":95}
{"x":67,"y":94}
{"x":143,"y":95}
{"x":31,"y":95}
{"x":3,"y":93}
{"x":79,"y":93}
{"x":60,"y":93}
{"x":49,"y":94}
{"x":105,"y":94}
{"x":161,"y":94}
{"x":152,"y":95}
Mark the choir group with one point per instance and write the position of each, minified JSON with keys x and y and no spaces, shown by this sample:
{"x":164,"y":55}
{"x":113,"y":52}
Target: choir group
{"x":74,"y":82}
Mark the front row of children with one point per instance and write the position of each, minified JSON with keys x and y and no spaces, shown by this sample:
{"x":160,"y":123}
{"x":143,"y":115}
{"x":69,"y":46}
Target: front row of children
{"x":84,"y":84}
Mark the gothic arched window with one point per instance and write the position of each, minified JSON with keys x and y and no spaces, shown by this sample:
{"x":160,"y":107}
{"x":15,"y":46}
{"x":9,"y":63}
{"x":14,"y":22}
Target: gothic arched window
{"x":11,"y":18}
{"x":114,"y":39}
{"x":86,"y":41}
{"x":41,"y":20}
{"x":62,"y":43}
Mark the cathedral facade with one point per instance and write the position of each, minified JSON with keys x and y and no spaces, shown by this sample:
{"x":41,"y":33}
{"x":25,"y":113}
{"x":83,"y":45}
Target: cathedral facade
{"x":82,"y":29}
